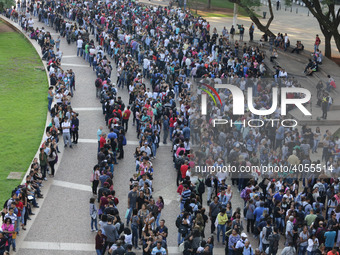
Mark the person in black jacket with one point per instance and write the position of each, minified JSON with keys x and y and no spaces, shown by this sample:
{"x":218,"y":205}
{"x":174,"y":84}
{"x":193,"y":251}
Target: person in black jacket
{"x":211,"y":182}
{"x":3,"y":240}
{"x":74,"y":128}
{"x":155,"y":143}
{"x":121,"y":141}
{"x":188,"y":246}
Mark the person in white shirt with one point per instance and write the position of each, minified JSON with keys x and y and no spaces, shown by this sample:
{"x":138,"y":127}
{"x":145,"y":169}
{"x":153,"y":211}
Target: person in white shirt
{"x":30,"y":23}
{"x":148,"y":92}
{"x":286,"y":38}
{"x":313,"y":244}
{"x":283,"y":73}
{"x":166,"y":42}
{"x":146,"y":65}
{"x":58,"y":97}
{"x":66,"y":125}
{"x":59,"y":54}
{"x":79,"y":46}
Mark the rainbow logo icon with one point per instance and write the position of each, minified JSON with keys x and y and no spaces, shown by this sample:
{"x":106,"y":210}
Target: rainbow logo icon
{"x":209,"y":93}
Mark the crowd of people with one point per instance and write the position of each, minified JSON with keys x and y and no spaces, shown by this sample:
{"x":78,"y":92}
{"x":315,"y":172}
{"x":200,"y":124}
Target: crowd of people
{"x":64,"y":121}
{"x":167,"y":46}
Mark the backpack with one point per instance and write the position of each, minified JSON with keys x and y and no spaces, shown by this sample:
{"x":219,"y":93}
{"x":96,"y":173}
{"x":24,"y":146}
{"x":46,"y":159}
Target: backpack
{"x":274,"y":242}
{"x":183,"y":229}
{"x":178,"y":163}
{"x":179,"y":221}
{"x":121,"y":228}
{"x":262,"y":185}
{"x":201,"y":187}
{"x":268,"y":232}
{"x":244,"y":194}
{"x":97,"y":83}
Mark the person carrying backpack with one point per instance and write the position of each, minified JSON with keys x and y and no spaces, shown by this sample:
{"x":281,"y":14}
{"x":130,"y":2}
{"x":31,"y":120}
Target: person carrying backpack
{"x":200,"y":186}
{"x":182,"y":223}
{"x":266,"y":231}
{"x":274,"y":239}
{"x":247,"y":250}
{"x":98,"y":84}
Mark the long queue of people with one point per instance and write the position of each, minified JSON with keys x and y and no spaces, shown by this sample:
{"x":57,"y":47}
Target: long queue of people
{"x":64,"y":121}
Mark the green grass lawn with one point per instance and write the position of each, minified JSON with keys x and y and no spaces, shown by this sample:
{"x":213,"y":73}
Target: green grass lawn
{"x":217,"y":4}
{"x":23,"y":105}
{"x":212,"y":15}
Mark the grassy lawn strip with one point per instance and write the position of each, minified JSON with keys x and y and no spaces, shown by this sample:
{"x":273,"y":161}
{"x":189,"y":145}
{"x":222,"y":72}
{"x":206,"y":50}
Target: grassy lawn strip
{"x":217,"y":4}
{"x":210,"y":14}
{"x":23,"y":105}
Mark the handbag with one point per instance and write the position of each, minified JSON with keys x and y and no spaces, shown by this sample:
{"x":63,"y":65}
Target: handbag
{"x":92,"y":177}
{"x":94,"y":213}
{"x":181,"y":247}
{"x":127,"y":213}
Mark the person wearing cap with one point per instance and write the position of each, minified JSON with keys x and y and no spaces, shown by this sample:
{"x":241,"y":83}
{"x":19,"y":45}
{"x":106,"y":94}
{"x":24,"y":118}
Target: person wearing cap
{"x":241,"y":242}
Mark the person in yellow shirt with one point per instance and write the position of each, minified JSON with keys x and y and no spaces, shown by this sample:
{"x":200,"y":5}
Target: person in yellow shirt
{"x":222,"y":219}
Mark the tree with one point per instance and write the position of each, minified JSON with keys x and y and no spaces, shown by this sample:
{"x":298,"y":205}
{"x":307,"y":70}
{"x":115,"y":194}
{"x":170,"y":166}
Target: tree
{"x":328,"y":19}
{"x":6,"y":3}
{"x":249,"y":5}
{"x":209,"y":4}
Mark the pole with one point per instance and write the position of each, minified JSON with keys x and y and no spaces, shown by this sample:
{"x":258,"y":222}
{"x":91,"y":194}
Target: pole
{"x":235,"y":15}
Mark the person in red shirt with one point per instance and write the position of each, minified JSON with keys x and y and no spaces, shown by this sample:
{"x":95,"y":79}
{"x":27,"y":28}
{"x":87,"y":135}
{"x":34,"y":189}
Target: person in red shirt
{"x":117,"y":112}
{"x":20,"y":206}
{"x":126,"y":116}
{"x":173,"y":120}
{"x":317,"y":43}
{"x":333,"y":252}
{"x":180,"y":189}
{"x":102,"y":141}
{"x":184,"y":169}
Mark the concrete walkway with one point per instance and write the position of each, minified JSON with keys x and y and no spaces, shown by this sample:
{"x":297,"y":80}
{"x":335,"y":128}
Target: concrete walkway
{"x":62,"y":224}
